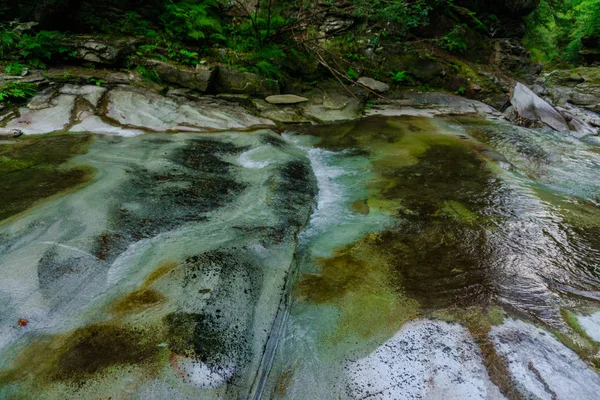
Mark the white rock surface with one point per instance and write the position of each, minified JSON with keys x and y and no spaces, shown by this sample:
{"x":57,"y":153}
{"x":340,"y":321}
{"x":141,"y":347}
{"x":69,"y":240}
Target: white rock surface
{"x":541,"y":366}
{"x":144,"y":109}
{"x":91,"y":93}
{"x":424,"y":360}
{"x":591,"y":325}
{"x":45,"y":120}
{"x":530,"y":106}
{"x":94,"y":124}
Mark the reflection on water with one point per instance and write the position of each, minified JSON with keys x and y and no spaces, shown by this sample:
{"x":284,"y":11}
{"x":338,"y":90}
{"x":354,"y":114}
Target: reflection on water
{"x":304,"y":265}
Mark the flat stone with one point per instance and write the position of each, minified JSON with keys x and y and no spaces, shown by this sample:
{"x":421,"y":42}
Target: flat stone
{"x":286,"y":99}
{"x":373,"y":84}
{"x":201,"y":78}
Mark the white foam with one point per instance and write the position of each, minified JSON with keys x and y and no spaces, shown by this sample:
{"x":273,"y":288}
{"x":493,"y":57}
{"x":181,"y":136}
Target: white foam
{"x":424,"y":360}
{"x":252,"y":158}
{"x":541,"y":366}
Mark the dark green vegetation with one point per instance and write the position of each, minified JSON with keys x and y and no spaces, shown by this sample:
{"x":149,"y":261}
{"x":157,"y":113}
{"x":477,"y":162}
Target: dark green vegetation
{"x":277,"y":39}
{"x":33,"y":168}
{"x":556,"y":29}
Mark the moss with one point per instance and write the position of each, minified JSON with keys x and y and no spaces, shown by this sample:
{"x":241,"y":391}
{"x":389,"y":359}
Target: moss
{"x":35,"y":168}
{"x":357,"y":280}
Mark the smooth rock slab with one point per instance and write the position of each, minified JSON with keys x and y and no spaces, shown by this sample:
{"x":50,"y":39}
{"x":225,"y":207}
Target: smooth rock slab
{"x":424,"y":360}
{"x":151,"y":111}
{"x":46,"y":120}
{"x":286,"y":99}
{"x":373,"y":84}
{"x":541,"y":366}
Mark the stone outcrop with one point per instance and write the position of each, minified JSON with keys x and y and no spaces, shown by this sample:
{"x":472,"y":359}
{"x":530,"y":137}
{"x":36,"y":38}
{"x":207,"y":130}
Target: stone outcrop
{"x":103,"y":51}
{"x":286,"y":99}
{"x":579,"y":86}
{"x":529,"y":106}
{"x":200,"y":77}
{"x":231,"y":80}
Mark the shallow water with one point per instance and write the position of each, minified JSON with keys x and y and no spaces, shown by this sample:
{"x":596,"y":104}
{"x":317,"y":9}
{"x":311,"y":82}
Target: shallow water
{"x":336,"y":261}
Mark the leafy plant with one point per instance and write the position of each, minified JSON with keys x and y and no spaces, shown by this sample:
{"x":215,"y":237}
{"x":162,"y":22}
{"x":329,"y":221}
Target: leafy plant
{"x":14,"y":68}
{"x":97,"y":81}
{"x":8,"y":41}
{"x":17,"y":91}
{"x":352,"y":74}
{"x":193,"y":20}
{"x":41,"y":47}
{"x":149,"y":74}
{"x":400,"y":76}
{"x":406,"y":14}
{"x":461,"y":90}
{"x":454,"y":41}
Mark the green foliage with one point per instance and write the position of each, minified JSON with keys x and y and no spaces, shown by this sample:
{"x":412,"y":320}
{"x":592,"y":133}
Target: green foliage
{"x":97,"y":81}
{"x":406,"y":14}
{"x":149,"y":74}
{"x":352,"y":74}
{"x":555,"y":29}
{"x":8,"y":41}
{"x":14,"y":91}
{"x":454,"y":41}
{"x":41,"y":47}
{"x":193,"y":20}
{"x":461,"y":90}
{"x":400,"y":76}
{"x":14,"y":68}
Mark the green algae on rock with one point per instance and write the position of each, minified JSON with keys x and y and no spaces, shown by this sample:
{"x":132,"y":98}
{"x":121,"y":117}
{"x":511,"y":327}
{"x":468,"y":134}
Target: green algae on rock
{"x":35,"y":168}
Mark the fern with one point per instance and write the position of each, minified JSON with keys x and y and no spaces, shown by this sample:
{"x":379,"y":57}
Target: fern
{"x":192,"y":20}
{"x":17,"y":91}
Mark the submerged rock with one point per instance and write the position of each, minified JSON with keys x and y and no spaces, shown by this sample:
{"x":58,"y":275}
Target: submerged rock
{"x":530,"y":106}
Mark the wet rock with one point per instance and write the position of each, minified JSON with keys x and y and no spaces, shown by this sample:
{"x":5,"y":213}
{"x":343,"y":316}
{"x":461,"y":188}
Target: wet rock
{"x":375,"y":85}
{"x":200,"y":77}
{"x":148,"y":110}
{"x":509,"y":54}
{"x":90,"y":93}
{"x":285,"y":99}
{"x":49,"y":119}
{"x":9,"y":133}
{"x":426,"y":359}
{"x":579,"y":86}
{"x":231,"y":80}
{"x":531,"y":107}
{"x":94,"y":124}
{"x":104,"y":51}
{"x":541,"y":366}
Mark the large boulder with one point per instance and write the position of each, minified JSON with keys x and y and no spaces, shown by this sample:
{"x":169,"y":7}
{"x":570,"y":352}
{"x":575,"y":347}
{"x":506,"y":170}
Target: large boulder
{"x":200,"y":77}
{"x":231,"y":80}
{"x":531,"y":107}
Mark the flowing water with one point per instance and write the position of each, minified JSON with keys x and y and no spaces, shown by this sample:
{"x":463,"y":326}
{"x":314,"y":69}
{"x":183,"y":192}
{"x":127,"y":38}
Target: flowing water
{"x":406,"y":257}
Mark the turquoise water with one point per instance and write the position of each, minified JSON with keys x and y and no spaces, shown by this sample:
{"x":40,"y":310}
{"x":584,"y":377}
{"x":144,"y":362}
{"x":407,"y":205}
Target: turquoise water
{"x":265,"y":265}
